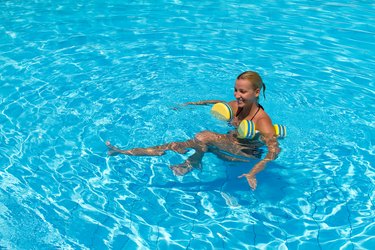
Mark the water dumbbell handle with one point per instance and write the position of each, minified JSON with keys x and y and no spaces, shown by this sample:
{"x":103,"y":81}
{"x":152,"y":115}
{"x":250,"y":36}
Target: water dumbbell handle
{"x":247,"y":129}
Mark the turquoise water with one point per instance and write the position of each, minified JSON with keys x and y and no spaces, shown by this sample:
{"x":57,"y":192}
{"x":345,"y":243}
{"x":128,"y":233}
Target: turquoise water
{"x":75,"y":74}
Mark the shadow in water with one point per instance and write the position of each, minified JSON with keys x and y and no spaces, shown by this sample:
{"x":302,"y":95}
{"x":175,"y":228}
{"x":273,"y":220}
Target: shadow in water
{"x":270,"y":182}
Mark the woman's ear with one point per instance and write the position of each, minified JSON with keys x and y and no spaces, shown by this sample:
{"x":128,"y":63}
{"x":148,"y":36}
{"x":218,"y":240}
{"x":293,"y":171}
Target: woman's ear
{"x":257,"y":92}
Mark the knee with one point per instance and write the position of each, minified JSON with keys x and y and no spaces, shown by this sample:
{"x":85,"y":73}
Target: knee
{"x":205,"y":136}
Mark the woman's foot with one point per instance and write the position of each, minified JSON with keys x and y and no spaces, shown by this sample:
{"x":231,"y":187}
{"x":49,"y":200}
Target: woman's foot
{"x":182,"y":169}
{"x":112,"y":149}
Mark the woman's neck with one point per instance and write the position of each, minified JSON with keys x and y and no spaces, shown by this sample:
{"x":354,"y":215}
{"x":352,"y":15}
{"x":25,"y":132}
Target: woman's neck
{"x":247,"y":110}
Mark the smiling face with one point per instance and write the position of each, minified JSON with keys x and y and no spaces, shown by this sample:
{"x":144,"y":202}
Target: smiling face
{"x":245,"y":93}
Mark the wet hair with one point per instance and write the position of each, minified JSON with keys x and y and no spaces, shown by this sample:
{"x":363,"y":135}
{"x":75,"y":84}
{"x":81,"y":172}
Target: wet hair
{"x":254,"y":79}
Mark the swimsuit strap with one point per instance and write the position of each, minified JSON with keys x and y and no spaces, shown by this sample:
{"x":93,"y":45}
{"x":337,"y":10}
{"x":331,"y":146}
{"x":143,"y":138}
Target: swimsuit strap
{"x":240,"y":109}
{"x":256,"y":112}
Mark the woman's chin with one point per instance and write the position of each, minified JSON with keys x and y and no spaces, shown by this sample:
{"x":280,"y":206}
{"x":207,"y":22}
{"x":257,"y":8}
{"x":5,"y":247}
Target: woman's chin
{"x":241,"y":104}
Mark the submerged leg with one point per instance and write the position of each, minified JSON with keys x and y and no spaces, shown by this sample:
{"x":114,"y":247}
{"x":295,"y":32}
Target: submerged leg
{"x":226,"y":157}
{"x":179,"y":147}
{"x":220,"y":143}
{"x":135,"y":151}
{"x":200,"y":145}
{"x":193,"y":162}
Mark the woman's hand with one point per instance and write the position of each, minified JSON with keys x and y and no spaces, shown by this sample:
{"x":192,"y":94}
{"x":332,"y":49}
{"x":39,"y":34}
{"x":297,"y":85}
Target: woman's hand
{"x":251,"y":180}
{"x":255,"y":170}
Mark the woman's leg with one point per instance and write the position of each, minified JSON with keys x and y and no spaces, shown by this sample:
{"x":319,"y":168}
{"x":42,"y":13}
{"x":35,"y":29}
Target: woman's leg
{"x":207,"y":141}
{"x":179,"y":147}
{"x":193,"y":162}
{"x":203,"y":142}
{"x":200,"y":141}
{"x":220,"y":143}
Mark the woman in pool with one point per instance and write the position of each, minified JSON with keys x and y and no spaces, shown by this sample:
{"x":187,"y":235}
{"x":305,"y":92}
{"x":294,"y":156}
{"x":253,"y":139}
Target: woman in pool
{"x":247,"y":88}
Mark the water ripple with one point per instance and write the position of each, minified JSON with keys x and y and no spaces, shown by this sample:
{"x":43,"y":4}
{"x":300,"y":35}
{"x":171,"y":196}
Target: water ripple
{"x":74,"y":75}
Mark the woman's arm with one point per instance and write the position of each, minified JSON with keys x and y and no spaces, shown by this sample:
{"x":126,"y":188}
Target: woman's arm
{"x":205,"y":102}
{"x":270,"y":139}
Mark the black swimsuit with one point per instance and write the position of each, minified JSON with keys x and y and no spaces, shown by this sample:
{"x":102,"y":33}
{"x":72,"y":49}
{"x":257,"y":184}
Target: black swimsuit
{"x":240,"y":109}
{"x":251,"y":147}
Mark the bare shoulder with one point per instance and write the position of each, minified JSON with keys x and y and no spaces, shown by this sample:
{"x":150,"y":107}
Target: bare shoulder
{"x":263,"y":123}
{"x":233,"y":105}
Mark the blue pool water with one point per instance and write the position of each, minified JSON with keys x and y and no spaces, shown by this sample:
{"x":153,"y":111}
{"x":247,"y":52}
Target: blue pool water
{"x":74,"y":74}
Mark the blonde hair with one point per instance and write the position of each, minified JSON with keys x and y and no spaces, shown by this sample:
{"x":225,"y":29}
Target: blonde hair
{"x":254,"y":79}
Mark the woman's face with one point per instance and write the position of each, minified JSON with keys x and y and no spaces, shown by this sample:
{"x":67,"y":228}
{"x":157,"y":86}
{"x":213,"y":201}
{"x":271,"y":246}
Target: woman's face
{"x":245,"y":93}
